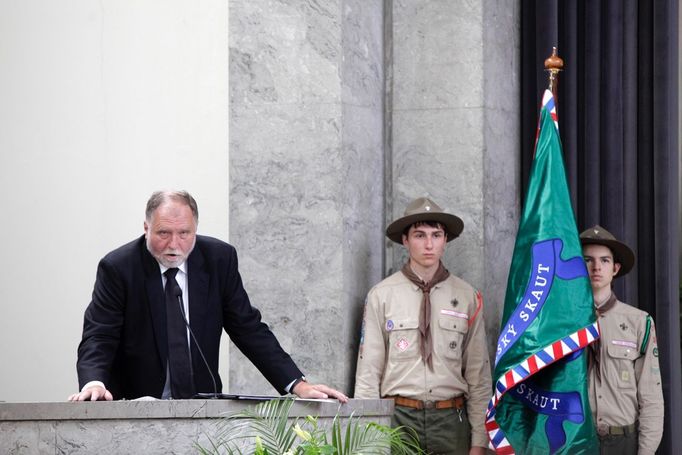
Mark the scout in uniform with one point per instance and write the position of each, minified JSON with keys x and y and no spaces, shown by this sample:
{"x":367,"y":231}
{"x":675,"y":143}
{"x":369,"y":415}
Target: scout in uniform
{"x":423,"y":340}
{"x":625,"y":380}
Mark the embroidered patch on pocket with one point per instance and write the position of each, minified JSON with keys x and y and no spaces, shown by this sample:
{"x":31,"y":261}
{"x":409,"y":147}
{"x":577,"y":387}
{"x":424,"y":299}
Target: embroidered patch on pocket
{"x":402,"y":344}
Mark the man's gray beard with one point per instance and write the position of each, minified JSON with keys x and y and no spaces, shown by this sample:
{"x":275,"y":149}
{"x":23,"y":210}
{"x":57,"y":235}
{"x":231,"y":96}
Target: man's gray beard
{"x":159,"y":259}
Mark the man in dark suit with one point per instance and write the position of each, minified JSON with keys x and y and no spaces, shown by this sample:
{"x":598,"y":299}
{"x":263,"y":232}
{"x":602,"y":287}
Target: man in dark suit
{"x":129,"y":348}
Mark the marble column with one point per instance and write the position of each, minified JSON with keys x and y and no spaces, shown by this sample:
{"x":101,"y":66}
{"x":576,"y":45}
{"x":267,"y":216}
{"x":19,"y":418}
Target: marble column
{"x":340,"y":113}
{"x":306,"y":175}
{"x":454,"y":88}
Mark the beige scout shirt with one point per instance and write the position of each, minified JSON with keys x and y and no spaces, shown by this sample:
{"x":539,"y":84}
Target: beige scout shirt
{"x":390,"y":363}
{"x":630,"y":386}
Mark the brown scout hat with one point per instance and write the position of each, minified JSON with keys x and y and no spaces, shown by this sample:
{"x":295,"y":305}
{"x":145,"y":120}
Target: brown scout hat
{"x":424,"y":209}
{"x":622,"y":253}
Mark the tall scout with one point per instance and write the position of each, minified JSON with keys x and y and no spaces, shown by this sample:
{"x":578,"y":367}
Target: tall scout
{"x":423,"y":340}
{"x":625,"y":380}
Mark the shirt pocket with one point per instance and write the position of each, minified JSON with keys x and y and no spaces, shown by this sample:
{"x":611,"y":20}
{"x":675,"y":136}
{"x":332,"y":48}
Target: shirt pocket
{"x":403,"y":340}
{"x":453,"y":331}
{"x":621,"y":365}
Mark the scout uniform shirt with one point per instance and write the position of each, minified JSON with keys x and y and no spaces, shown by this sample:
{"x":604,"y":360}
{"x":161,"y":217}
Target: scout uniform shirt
{"x":390,"y":362}
{"x":630,"y":387}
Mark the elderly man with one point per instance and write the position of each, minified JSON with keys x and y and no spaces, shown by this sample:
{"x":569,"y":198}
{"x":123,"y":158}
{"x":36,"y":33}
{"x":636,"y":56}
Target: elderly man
{"x":158,"y":309}
{"x":423,"y":339}
{"x":625,"y":380}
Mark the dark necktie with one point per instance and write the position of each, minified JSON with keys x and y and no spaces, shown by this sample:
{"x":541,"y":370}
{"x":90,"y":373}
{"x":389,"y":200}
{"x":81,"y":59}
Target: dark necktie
{"x":178,"y":348}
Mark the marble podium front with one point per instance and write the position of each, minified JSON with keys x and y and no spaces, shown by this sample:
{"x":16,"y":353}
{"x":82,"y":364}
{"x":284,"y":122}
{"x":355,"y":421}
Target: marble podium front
{"x":150,"y":427}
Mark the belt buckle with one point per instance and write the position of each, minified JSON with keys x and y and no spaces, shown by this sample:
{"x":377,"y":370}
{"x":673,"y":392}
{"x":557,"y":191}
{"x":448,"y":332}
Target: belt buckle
{"x":617,"y":430}
{"x":429,"y":404}
{"x":602,"y":429}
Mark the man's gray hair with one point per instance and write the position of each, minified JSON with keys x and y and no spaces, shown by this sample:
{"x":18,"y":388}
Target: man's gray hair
{"x":159,"y":197}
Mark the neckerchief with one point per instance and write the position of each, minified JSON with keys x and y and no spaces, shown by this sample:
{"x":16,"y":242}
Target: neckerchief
{"x":595,"y":348}
{"x":441,"y":274}
{"x":606,"y":306}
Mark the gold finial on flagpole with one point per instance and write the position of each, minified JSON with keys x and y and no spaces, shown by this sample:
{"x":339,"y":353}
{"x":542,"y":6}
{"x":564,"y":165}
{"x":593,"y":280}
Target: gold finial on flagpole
{"x":553,"y":65}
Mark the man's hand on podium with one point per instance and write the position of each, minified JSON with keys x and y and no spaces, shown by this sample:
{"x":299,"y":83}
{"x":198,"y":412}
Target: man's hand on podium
{"x":318,"y":391}
{"x":92,"y":393}
{"x":97,"y":392}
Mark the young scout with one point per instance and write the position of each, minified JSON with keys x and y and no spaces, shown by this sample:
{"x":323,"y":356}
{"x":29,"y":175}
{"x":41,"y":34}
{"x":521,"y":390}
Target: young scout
{"x":625,"y":382}
{"x":423,"y":340}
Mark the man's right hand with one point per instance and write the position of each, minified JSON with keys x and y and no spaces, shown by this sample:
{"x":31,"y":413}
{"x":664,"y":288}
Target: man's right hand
{"x":92,"y":393}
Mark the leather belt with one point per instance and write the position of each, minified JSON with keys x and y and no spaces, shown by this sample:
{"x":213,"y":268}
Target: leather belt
{"x":457,"y":403}
{"x":605,"y":430}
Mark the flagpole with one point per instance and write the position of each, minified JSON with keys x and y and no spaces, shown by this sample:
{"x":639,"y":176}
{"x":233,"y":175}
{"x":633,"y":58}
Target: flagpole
{"x":541,"y":351}
{"x":554,"y":64}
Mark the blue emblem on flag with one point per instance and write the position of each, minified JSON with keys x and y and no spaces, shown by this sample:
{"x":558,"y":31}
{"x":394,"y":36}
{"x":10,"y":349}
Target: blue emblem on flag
{"x":546,"y":264}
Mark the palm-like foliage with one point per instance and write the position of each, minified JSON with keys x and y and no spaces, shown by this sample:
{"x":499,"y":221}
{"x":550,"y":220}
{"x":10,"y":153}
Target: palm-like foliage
{"x":267,"y":430}
{"x":268,"y":420}
{"x":371,"y":438}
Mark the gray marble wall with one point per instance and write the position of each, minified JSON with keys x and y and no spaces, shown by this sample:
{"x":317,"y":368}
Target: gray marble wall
{"x":501,"y":165}
{"x":340,"y":113}
{"x":306,"y":175}
{"x":455,"y":96}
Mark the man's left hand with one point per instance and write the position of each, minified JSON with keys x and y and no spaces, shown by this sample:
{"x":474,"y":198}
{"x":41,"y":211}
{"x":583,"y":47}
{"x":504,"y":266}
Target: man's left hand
{"x":318,"y":391}
{"x":477,"y":450}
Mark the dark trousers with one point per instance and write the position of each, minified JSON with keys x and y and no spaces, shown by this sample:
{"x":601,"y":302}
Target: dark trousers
{"x":621,"y":444}
{"x":440,"y":431}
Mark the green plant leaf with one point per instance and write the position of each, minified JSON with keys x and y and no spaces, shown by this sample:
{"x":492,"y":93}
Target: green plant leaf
{"x":270,"y":422}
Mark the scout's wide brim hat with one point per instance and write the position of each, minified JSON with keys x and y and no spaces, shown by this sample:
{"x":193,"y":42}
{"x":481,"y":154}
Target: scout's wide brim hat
{"x":622,"y":253}
{"x":424,"y":209}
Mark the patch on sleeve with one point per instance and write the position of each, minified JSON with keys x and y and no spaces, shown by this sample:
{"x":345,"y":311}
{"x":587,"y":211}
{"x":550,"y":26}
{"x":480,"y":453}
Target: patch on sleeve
{"x":647,"y":334}
{"x":362,"y":334}
{"x":362,"y":330}
{"x":479,"y":305}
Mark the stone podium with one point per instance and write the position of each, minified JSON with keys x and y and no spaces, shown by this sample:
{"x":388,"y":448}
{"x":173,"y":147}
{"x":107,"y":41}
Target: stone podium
{"x":149,"y":427}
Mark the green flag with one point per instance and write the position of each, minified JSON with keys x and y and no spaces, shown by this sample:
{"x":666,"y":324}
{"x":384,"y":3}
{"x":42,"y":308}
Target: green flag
{"x":540,"y":403}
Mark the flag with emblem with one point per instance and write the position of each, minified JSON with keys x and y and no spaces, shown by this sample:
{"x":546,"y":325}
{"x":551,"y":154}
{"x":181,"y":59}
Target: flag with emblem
{"x":540,"y":400}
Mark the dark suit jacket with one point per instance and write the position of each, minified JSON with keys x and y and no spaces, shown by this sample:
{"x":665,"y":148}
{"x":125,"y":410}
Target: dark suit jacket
{"x":124,"y":340}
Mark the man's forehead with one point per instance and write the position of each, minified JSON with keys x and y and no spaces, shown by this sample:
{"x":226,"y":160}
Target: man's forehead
{"x":595,"y":250}
{"x":426,"y":228}
{"x":170,"y":212}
